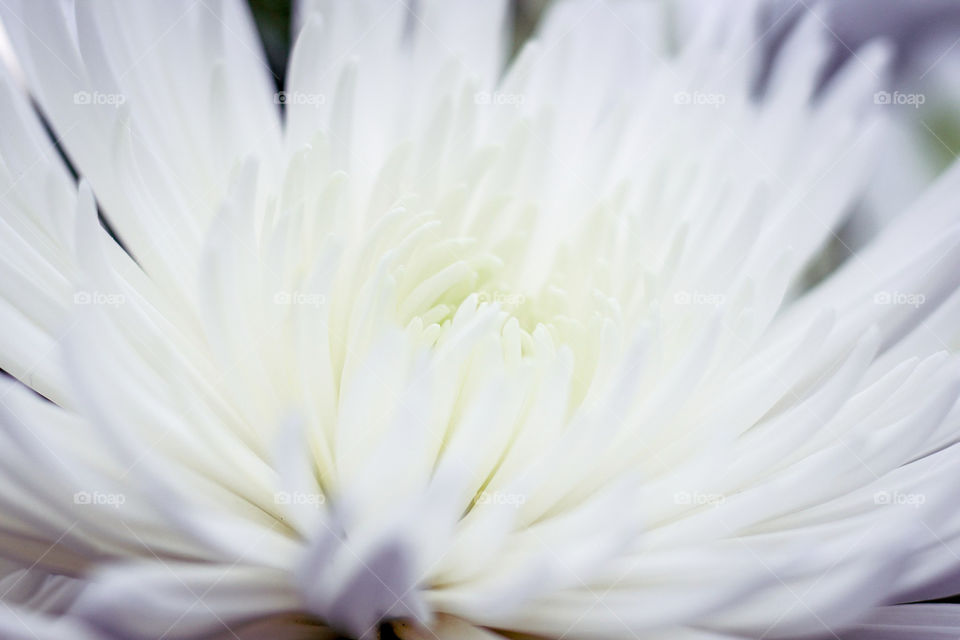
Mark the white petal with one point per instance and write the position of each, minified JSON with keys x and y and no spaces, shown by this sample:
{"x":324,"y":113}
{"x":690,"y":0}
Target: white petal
{"x":909,"y":621}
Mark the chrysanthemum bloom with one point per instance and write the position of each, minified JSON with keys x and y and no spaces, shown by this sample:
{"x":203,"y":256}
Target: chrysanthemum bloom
{"x":459,"y":349}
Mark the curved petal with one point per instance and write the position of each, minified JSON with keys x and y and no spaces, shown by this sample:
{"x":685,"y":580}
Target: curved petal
{"x":909,"y":621}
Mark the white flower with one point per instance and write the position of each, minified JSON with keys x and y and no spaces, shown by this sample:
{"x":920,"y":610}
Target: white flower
{"x":463,"y":352}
